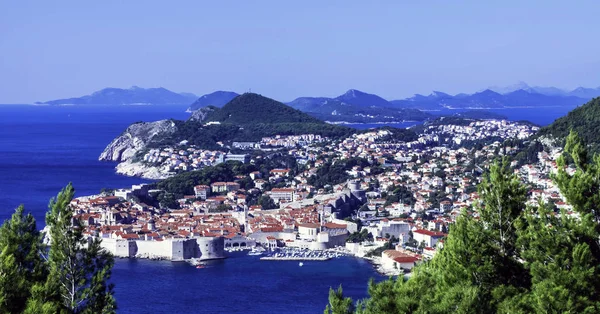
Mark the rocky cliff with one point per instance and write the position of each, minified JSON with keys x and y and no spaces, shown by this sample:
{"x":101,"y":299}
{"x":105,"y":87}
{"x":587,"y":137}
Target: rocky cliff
{"x":135,"y":138}
{"x":202,"y":113}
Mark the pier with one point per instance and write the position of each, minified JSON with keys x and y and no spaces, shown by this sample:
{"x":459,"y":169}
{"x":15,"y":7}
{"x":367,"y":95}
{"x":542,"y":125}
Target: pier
{"x":294,"y":258}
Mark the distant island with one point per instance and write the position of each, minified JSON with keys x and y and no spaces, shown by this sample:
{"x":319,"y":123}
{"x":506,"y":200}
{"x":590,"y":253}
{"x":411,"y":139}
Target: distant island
{"x":355,"y":106}
{"x":131,"y":96}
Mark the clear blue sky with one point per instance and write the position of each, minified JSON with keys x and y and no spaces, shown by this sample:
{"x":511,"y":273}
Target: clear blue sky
{"x":285,"y":49}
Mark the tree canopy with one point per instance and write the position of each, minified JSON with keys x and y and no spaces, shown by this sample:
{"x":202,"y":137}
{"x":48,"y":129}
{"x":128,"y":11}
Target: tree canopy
{"x":70,"y":275}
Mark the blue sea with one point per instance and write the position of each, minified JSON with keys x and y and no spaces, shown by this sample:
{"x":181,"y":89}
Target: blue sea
{"x":43,"y":148}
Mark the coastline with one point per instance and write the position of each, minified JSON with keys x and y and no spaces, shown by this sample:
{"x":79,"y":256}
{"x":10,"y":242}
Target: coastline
{"x":136,"y":169}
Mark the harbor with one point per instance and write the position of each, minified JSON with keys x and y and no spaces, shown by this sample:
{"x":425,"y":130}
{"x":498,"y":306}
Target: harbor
{"x":299,"y":258}
{"x":296,"y":254}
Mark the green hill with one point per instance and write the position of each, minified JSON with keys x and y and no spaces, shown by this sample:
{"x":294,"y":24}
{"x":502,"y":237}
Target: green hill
{"x":585,"y":120}
{"x":252,"y":108}
{"x":248,"y":117}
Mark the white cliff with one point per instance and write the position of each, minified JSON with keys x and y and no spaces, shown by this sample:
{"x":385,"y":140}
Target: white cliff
{"x":138,"y":169}
{"x":135,"y":138}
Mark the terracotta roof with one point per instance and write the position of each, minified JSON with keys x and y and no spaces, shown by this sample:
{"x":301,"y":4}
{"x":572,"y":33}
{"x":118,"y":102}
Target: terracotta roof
{"x":331,"y":225}
{"x":430,"y":233}
{"x":309,"y":225}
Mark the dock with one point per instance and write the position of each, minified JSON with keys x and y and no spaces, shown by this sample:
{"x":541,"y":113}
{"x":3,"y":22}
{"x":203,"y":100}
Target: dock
{"x":294,"y":258}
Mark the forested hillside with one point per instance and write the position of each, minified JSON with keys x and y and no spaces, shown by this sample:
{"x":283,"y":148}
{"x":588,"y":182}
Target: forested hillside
{"x":585,"y":120}
{"x":252,"y":108}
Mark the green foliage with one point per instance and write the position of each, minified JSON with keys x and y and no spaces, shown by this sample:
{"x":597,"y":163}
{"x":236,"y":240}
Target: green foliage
{"x":222,"y":208}
{"x":248,"y":117}
{"x":266,"y":202}
{"x":331,"y":173}
{"x":183,"y":183}
{"x":582,"y":189}
{"x":400,"y":194}
{"x":71,"y":276}
{"x":20,"y":261}
{"x":167,"y":200}
{"x":585,"y":120}
{"x":360,"y":236}
{"x":338,"y":304}
{"x":79,"y":269}
{"x":389,"y":245}
{"x":252,"y":108}
{"x":398,"y":135}
{"x":503,"y":197}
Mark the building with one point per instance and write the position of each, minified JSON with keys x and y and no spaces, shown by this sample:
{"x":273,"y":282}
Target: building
{"x":201,"y":191}
{"x":243,"y":158}
{"x":430,"y":238}
{"x":204,"y":248}
{"x":308,"y":231}
{"x":392,"y":259}
{"x":245,"y":145}
{"x":285,"y":194}
{"x":398,"y":229}
{"x":224,"y":187}
{"x":279,"y":173}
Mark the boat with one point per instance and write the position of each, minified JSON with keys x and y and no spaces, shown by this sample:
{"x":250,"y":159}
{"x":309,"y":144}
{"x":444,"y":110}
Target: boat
{"x":301,"y":264}
{"x":199,"y":266}
{"x":256,"y":251}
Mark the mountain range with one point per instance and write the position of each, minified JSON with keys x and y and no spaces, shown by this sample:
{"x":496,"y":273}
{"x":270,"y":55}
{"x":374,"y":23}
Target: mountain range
{"x":357,"y":106}
{"x":130,"y":96}
{"x":581,"y":92}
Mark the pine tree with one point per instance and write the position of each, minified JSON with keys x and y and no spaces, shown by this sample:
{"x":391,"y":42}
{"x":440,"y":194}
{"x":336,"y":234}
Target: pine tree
{"x":20,"y":261}
{"x":503,"y":200}
{"x":78,"y":267}
{"x":338,"y":304}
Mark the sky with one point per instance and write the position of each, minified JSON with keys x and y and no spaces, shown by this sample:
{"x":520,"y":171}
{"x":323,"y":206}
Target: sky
{"x":287,"y":49}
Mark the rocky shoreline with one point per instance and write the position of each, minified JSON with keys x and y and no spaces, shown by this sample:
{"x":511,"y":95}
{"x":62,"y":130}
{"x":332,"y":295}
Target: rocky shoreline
{"x":137,"y":169}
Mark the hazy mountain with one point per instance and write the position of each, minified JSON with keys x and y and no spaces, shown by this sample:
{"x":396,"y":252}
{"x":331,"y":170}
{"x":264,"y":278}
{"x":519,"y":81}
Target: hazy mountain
{"x":217,"y":99}
{"x":544,"y":90}
{"x":581,"y":92}
{"x":584,"y":92}
{"x":133,"y":95}
{"x":356,"y":97}
{"x":333,"y":109}
{"x":510,"y":88}
{"x":487,"y":99}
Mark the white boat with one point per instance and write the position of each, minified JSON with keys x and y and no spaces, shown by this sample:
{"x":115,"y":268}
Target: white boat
{"x":256,"y":251}
{"x":301,"y":264}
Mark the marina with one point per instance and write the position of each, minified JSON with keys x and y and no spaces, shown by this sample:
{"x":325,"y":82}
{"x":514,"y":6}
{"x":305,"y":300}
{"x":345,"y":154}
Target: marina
{"x":296,"y":254}
{"x":284,"y":258}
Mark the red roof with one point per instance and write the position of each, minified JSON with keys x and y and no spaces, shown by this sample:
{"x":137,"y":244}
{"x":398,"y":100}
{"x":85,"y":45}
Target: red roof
{"x":331,"y":225}
{"x":405,"y":259}
{"x":310,"y":225}
{"x":430,"y":233}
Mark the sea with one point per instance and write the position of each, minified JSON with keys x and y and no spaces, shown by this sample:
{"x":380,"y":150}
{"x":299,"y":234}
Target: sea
{"x":43,"y":148}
